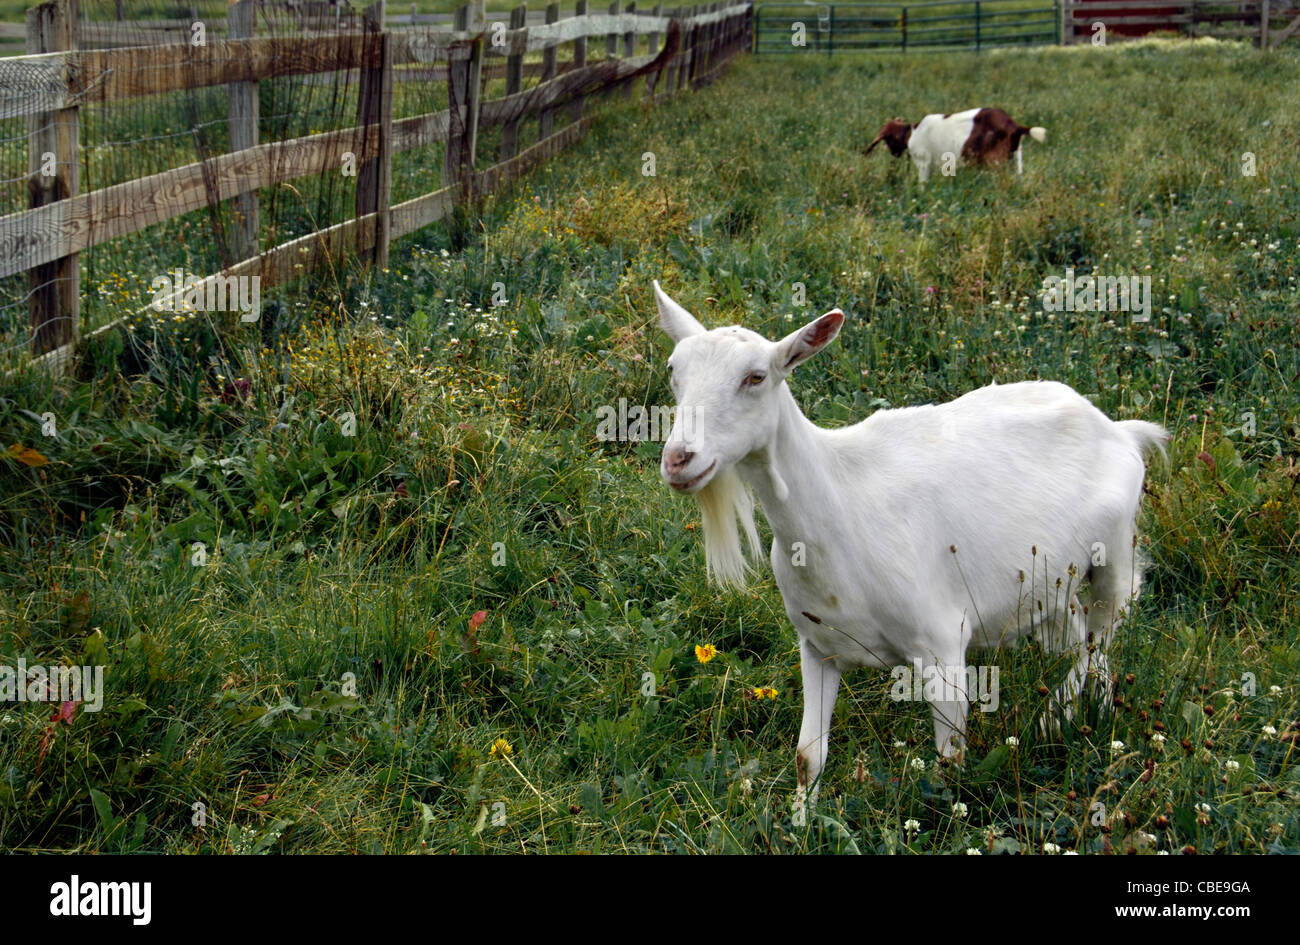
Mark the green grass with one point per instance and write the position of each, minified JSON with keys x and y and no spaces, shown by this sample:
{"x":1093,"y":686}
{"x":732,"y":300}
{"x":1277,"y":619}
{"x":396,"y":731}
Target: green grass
{"x":475,"y":483}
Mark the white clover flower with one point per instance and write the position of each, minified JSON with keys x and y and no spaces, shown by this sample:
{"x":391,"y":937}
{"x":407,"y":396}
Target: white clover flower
{"x":1269,"y":730}
{"x":1051,"y":848}
{"x":1275,"y":690}
{"x":971,"y":851}
{"x":959,"y":809}
{"x":911,"y":826}
{"x":1233,"y":766}
{"x":899,"y":743}
{"x":918,"y":764}
{"x":1012,"y":741}
{"x":1116,"y":747}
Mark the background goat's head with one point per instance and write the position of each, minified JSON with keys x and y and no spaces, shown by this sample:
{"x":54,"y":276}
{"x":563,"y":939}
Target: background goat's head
{"x":895,"y":134}
{"x":730,"y":387}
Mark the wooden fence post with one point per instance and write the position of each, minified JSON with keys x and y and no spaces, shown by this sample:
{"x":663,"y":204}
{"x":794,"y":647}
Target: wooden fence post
{"x":457,"y":103}
{"x":702,"y":47}
{"x":244,"y":113}
{"x":579,"y":59}
{"x":514,"y":85}
{"x":715,"y":38}
{"x":1264,"y":14}
{"x":52,"y":142}
{"x":710,"y":40}
{"x":670,"y":73}
{"x":547,"y":119}
{"x":375,"y":107}
{"x":695,"y":47}
{"x":478,"y":23}
{"x":611,"y":40}
{"x":629,"y":48}
{"x":464,"y":89}
{"x":688,"y":49}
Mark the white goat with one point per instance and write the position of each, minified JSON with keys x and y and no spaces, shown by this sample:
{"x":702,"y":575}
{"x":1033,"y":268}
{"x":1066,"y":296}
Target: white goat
{"x":915,"y":534}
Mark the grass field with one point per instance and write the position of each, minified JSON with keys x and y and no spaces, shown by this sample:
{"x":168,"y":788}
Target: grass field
{"x":433,"y":635}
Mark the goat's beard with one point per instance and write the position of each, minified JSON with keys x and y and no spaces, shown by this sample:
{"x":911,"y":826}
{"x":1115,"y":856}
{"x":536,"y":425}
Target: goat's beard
{"x":724,"y":502}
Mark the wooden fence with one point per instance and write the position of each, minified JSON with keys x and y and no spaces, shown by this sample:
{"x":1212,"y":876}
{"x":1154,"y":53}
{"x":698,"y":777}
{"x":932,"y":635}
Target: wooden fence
{"x":1267,"y":22}
{"x":686,"y":47}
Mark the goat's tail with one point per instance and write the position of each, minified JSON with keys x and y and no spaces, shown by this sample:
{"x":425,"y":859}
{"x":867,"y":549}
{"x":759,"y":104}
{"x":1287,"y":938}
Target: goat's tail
{"x":1147,"y":437}
{"x":1039,"y":134}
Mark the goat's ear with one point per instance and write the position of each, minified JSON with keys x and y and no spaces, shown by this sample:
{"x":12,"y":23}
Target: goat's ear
{"x":676,"y":322}
{"x":798,"y":346}
{"x":876,"y":140}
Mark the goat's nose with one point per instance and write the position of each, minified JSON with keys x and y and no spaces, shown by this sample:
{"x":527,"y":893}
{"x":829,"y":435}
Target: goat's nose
{"x":677,"y":458}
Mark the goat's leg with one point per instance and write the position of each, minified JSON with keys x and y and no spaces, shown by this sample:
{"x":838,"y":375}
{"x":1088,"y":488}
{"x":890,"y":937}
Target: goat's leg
{"x":1112,"y":589}
{"x":946,"y":691}
{"x":821,"y":684}
{"x":1072,"y":641}
{"x":922,"y":162}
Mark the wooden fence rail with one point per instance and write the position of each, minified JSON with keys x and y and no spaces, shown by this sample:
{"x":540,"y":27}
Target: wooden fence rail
{"x":1268,"y":22}
{"x":57,"y":78}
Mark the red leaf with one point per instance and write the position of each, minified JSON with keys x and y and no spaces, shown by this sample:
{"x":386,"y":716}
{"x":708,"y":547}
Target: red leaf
{"x":477,"y":620}
{"x":1206,"y":458}
{"x":65,"y":712}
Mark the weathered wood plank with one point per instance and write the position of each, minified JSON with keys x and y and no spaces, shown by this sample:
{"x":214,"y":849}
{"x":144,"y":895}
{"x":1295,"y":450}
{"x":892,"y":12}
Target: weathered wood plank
{"x":499,"y":175}
{"x":547,"y":119}
{"x":1290,"y":30}
{"x":586,"y":80}
{"x":245,"y":109}
{"x":456,"y":162}
{"x":109,"y":74}
{"x":375,"y":107}
{"x":629,"y":48}
{"x":422,"y":130}
{"x":53,"y":159}
{"x":31,"y":84}
{"x":478,"y":21}
{"x":579,"y":61}
{"x":42,"y":235}
{"x":411,"y":215}
{"x":514,"y":85}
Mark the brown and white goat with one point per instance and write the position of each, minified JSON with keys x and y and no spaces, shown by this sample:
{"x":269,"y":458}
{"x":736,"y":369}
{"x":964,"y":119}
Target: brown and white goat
{"x":975,"y":136}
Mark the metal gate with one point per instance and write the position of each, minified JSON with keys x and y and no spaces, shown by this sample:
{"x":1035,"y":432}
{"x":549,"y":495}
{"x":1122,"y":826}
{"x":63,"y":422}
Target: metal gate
{"x":930,"y":24}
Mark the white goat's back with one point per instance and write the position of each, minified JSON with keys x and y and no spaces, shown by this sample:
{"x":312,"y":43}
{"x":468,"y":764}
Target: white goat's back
{"x":1019,"y":477}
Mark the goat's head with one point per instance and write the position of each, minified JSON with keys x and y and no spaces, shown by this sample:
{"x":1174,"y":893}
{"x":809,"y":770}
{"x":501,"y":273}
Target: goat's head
{"x":726,"y":382}
{"x":895,"y":134}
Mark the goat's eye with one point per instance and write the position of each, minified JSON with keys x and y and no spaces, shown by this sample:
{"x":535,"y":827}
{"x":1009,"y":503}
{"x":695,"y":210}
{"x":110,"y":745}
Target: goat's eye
{"x":754,"y":379}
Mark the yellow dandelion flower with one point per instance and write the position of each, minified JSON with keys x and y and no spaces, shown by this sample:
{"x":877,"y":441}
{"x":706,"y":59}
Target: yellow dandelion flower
{"x":769,"y":692}
{"x":705,"y":653}
{"x":501,"y":749}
